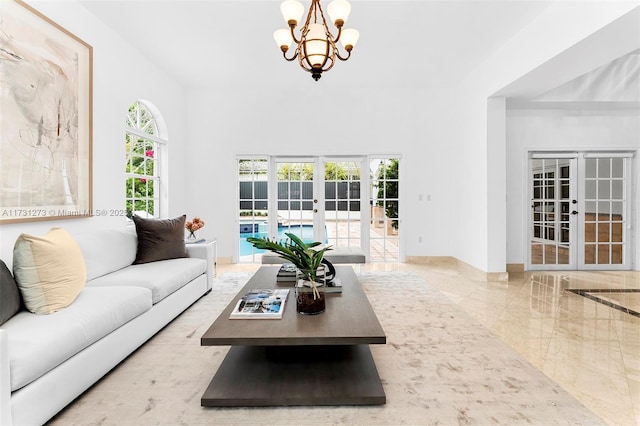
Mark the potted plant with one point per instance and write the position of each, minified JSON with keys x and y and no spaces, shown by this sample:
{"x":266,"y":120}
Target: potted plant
{"x":309,"y":300}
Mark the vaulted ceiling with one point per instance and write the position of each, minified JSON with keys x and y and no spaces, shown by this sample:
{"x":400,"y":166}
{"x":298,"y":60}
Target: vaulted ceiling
{"x":402,"y":43}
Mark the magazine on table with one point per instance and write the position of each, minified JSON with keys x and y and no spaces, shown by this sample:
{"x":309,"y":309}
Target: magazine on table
{"x":268,"y":303}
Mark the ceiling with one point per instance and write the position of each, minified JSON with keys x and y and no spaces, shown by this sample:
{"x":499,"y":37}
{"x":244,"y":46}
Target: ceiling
{"x":402,"y":43}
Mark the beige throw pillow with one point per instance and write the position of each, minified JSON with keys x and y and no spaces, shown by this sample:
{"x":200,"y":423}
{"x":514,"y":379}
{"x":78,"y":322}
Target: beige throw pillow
{"x":49,"y":270}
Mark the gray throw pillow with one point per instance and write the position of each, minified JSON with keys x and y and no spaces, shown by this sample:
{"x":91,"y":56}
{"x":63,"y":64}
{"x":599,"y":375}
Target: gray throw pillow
{"x":160,"y":239}
{"x":10,"y":300}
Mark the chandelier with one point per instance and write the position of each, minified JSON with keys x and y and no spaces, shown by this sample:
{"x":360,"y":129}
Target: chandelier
{"x":316,"y":48}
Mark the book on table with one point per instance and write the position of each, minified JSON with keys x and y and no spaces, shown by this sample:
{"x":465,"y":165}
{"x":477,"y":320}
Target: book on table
{"x":267,"y":303}
{"x":287,"y":272}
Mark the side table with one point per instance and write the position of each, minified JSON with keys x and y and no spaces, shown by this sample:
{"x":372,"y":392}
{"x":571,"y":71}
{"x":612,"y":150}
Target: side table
{"x":211,"y":246}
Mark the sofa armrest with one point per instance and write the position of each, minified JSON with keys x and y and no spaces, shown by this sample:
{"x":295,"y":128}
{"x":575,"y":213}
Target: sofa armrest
{"x":203,"y":251}
{"x":5,"y":380}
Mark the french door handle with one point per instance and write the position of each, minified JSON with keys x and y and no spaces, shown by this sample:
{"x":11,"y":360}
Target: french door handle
{"x":574,"y":212}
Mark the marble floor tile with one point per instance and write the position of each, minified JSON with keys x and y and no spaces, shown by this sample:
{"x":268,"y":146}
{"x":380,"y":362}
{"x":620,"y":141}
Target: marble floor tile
{"x":588,"y":350}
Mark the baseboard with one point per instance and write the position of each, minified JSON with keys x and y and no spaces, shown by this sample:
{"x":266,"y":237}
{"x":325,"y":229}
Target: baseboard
{"x":515,"y":267}
{"x":467,"y":270}
{"x":435,"y":261}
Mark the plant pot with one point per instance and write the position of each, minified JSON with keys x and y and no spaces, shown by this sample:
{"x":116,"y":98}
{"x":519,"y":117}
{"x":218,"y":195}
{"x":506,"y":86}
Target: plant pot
{"x":308,"y":301}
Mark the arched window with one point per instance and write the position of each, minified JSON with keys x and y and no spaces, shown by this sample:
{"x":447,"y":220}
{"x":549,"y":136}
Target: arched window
{"x":145,"y":141}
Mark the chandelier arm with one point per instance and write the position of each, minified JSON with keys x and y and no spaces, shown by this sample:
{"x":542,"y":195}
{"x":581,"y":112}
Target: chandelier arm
{"x":335,"y":40}
{"x":293,"y":34}
{"x":340,"y":57}
{"x":295,"y":55}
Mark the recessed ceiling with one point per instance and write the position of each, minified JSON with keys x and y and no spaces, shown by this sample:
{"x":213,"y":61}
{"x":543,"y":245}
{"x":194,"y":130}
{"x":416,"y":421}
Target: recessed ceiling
{"x":402,"y":43}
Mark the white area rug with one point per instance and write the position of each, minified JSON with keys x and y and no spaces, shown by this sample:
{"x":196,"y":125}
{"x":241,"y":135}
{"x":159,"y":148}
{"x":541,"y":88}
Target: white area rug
{"x":439,"y":367}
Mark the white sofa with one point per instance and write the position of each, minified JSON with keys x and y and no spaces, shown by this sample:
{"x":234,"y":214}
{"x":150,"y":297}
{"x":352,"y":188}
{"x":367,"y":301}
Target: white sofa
{"x":46,"y":361}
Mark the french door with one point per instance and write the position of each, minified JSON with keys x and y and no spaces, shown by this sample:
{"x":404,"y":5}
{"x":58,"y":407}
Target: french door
{"x":579,"y":211}
{"x":341,"y":201}
{"x":294,"y":198}
{"x":319,"y":199}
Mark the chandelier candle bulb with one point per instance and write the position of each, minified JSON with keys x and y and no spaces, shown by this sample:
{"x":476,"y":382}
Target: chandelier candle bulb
{"x":349,"y":38}
{"x":339,"y":11}
{"x":292,"y":11}
{"x":283,"y":39}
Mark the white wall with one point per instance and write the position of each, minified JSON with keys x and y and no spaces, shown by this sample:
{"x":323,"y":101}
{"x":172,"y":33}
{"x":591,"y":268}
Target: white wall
{"x":441,"y":134}
{"x":534,"y":57}
{"x":580,"y":128}
{"x":121,"y":75}
{"x":319,"y":119}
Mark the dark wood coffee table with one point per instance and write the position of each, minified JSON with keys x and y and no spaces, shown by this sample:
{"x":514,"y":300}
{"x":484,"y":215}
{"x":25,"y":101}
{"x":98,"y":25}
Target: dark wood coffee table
{"x":298,"y":360}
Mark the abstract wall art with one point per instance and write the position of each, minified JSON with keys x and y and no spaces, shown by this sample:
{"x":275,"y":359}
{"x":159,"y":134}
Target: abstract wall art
{"x":45,"y":118}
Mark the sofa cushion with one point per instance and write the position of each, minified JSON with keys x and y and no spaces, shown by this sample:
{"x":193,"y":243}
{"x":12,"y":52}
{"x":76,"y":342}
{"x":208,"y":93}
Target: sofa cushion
{"x":10,"y":300}
{"x":107,"y":250}
{"x":39,"y":343}
{"x":49,"y":270}
{"x":160,"y":239}
{"x":162,"y":278}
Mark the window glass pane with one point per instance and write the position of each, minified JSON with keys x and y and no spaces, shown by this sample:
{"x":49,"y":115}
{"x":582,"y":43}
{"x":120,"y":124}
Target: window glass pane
{"x":617,"y":167}
{"x":616,"y":254}
{"x":589,"y":254}
{"x":590,"y":167}
{"x":590,"y":232}
{"x":590,"y":190}
{"x":603,"y":253}
{"x":283,"y":190}
{"x":342,"y":190}
{"x":330,"y":190}
{"x":604,"y":189}
{"x":616,"y":186}
{"x":617,"y":210}
{"x":604,"y":232}
{"x":604,"y":168}
{"x":294,"y":190}
{"x":604,"y":209}
{"x":307,"y":190}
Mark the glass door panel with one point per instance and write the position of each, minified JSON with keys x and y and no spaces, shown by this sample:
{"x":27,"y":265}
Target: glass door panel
{"x":253,"y":204}
{"x":605,"y":209}
{"x":342,"y":202}
{"x":552,"y":208}
{"x":296,"y":203}
{"x":384,"y":233}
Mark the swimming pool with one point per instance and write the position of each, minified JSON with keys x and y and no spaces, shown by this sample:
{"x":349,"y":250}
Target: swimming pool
{"x":246,"y":249}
